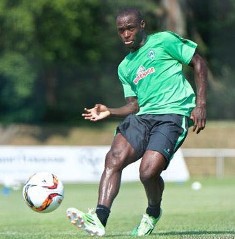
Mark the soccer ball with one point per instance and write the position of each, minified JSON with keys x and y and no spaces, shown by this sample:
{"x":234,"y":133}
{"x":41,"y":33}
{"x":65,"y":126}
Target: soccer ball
{"x":43,"y":192}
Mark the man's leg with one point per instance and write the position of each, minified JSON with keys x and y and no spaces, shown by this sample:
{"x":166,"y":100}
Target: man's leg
{"x":152,"y":164}
{"x":120,"y":155}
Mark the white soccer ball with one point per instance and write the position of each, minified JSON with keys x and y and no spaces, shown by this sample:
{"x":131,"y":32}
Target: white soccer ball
{"x":43,"y":192}
{"x":196,"y":186}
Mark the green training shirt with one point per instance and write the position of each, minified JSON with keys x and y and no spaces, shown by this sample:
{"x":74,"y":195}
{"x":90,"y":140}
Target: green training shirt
{"x":154,"y":75}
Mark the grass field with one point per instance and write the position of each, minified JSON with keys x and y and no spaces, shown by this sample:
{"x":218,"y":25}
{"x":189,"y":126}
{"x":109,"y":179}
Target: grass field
{"x":207,"y":213}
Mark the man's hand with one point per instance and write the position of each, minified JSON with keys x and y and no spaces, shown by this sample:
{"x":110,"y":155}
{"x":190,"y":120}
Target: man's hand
{"x":198,"y":116}
{"x":97,"y":113}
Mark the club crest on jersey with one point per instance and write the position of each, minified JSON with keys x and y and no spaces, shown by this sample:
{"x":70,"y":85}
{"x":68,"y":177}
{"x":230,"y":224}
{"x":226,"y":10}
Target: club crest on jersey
{"x":151,"y":54}
{"x":142,"y":73}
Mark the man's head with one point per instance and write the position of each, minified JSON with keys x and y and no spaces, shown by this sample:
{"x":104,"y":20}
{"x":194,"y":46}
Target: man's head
{"x":130,"y":27}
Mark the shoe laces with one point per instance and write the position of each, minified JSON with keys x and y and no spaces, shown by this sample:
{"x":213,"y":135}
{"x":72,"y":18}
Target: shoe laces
{"x":91,"y":210}
{"x":147,"y":220}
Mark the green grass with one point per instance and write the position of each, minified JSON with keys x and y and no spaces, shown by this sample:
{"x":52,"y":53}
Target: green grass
{"x":207,"y":213}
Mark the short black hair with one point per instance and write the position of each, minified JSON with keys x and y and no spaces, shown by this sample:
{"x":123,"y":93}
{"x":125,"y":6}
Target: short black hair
{"x":130,"y":11}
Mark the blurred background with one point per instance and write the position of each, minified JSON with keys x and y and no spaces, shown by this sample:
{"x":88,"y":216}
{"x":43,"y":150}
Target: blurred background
{"x":59,"y":56}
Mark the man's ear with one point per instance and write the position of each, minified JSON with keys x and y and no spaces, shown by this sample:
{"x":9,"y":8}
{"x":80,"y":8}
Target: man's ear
{"x":142,"y":24}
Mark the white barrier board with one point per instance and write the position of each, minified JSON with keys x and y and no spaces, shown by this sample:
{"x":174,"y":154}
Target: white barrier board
{"x":72,"y":164}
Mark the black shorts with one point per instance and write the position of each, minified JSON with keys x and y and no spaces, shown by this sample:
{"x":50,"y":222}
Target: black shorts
{"x":162,"y":133}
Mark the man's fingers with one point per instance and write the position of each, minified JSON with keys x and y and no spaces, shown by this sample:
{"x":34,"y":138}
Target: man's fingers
{"x":198,"y":127}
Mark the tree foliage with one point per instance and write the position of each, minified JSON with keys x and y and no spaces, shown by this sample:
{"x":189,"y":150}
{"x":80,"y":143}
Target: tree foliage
{"x":59,"y":56}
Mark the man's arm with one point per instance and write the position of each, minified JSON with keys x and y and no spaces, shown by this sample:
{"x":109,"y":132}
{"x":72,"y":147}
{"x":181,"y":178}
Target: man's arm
{"x":198,"y":114}
{"x":99,"y":111}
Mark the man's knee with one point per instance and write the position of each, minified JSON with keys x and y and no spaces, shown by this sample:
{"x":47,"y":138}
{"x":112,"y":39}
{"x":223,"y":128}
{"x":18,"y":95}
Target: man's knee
{"x":146,"y":174}
{"x":151,"y":167}
{"x":114,"y":159}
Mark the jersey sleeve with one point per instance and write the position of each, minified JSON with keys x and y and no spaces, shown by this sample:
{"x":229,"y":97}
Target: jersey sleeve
{"x":128,"y":92}
{"x":180,"y":48}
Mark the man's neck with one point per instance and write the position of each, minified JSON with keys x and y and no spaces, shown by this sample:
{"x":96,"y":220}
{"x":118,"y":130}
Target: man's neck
{"x":141,"y":43}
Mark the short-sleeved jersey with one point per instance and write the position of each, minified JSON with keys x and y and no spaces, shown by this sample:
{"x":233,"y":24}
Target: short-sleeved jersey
{"x":155,"y":76}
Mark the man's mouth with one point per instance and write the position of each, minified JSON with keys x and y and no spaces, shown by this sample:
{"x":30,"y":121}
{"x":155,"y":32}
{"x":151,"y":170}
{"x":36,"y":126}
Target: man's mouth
{"x":128,"y":42}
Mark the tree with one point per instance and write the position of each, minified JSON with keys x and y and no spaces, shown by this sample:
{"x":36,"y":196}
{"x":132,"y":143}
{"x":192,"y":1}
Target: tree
{"x":212,"y":25}
{"x":59,"y":56}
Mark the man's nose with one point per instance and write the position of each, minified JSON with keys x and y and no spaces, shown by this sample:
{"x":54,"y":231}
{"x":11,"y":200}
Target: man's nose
{"x":126,"y":34}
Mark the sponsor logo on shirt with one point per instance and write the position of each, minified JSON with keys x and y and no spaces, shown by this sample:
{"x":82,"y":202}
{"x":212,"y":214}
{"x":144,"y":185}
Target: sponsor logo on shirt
{"x":142,"y":73}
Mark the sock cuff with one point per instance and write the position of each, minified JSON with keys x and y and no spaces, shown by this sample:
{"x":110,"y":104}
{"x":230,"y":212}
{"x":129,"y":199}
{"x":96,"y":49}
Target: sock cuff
{"x":102,"y":207}
{"x":154,"y":210}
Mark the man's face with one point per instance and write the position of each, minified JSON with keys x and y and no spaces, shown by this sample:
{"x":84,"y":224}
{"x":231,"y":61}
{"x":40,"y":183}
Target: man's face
{"x":131,"y":31}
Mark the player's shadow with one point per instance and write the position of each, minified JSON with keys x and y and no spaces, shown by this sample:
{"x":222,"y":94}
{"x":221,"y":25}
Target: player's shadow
{"x":196,"y":233}
{"x":185,"y":234}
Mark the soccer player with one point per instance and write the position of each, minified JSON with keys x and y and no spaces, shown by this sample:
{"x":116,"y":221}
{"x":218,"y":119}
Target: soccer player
{"x":160,"y":107}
